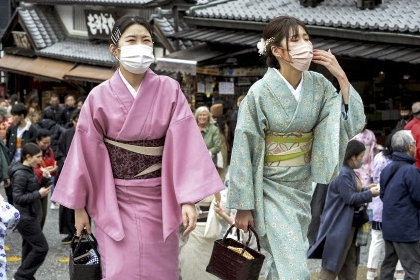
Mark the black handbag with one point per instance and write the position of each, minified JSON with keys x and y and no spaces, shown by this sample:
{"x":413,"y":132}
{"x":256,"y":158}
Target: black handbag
{"x":228,"y":264}
{"x":80,"y":266}
{"x":360,"y":217}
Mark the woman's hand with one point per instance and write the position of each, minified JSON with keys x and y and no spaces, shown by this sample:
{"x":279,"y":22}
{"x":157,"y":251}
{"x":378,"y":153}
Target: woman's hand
{"x":371,"y":186}
{"x":244,"y":219}
{"x":44,"y":191}
{"x":375,"y":191}
{"x":189,"y":217}
{"x":45,"y":173}
{"x":81,"y":221}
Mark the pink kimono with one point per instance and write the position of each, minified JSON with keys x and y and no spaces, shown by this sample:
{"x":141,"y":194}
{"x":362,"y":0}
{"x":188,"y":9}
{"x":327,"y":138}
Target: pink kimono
{"x":367,"y":137}
{"x":137,"y":220}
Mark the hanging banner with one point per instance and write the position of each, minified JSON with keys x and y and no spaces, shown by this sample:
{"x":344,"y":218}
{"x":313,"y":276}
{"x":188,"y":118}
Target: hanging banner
{"x":99,"y":24}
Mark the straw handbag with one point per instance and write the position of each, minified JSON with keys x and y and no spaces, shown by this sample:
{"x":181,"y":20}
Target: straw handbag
{"x":85,"y":260}
{"x":232,"y":260}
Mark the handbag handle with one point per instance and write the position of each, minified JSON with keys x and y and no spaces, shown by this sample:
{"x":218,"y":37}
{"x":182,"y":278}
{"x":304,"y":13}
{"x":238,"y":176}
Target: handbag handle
{"x":90,"y":238}
{"x":250,"y":230}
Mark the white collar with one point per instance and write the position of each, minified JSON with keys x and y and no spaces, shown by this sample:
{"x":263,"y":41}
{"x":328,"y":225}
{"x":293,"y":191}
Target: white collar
{"x":127,"y":84}
{"x":296,"y":92}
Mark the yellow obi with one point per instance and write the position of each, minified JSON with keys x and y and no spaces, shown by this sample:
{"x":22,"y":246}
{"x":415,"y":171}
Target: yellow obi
{"x":288,"y":149}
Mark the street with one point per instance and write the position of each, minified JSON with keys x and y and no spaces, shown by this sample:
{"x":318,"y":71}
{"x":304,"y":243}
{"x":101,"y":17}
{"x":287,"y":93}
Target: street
{"x":55,"y":266}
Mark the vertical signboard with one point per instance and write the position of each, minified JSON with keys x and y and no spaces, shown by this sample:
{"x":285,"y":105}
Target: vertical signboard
{"x":100,"y":23}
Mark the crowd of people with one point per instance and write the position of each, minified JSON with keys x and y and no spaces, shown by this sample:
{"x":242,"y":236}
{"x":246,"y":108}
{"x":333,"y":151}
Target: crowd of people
{"x":161,"y":183}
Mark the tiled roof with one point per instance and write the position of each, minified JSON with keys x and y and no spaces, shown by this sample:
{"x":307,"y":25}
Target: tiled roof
{"x":340,"y":47}
{"x":395,"y":15}
{"x":79,"y":50}
{"x":90,"y":2}
{"x":43,"y":25}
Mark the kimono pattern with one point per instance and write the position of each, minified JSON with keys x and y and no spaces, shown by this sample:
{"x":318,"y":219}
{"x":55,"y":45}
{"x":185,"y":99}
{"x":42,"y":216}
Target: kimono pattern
{"x":188,"y":175}
{"x":280,"y":197}
{"x":367,"y":137}
{"x":9,"y":218}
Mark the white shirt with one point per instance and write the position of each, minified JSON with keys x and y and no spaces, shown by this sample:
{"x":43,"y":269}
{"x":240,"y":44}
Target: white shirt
{"x":295,"y":92}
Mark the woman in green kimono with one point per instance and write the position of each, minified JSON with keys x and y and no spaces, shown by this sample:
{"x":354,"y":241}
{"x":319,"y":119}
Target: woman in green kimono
{"x":293,"y":128}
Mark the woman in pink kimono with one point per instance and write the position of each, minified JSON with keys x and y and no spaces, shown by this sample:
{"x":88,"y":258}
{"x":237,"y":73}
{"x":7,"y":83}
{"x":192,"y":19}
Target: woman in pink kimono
{"x":130,"y":161}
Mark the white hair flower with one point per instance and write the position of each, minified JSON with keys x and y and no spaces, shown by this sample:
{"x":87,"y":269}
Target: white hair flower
{"x":261,"y":46}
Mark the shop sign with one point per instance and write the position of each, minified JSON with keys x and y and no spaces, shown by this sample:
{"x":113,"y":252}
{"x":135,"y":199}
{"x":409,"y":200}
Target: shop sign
{"x":21,"y":39}
{"x":248,"y":71}
{"x":208,"y":71}
{"x":226,"y":88}
{"x":99,"y":24}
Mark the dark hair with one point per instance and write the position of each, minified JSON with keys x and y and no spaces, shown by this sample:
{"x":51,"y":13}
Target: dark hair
{"x":75,"y":115}
{"x":354,"y":148}
{"x":54,"y":95}
{"x":42,"y":133}
{"x":81,"y":99}
{"x":48,"y":114}
{"x":123,"y":23}
{"x":279,"y":28}
{"x":19,"y":109}
{"x":69,"y":95}
{"x":29,"y":149}
{"x":387,"y":152}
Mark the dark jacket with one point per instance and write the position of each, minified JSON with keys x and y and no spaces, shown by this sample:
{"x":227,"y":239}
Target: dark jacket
{"x":26,"y":196}
{"x":54,"y":129}
{"x":11,"y":137}
{"x":67,"y":113}
{"x":337,"y":218}
{"x":400,"y":194}
{"x":63,"y":147}
{"x":59,"y":114}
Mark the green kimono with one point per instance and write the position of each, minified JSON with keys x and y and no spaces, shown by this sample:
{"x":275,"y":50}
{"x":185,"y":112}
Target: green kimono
{"x":280,"y":196}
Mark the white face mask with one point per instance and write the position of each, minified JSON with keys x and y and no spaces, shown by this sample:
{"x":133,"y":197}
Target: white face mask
{"x":136,"y":58}
{"x":301,"y":56}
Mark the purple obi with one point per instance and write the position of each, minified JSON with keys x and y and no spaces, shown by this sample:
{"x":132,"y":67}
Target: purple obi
{"x":140,"y":159}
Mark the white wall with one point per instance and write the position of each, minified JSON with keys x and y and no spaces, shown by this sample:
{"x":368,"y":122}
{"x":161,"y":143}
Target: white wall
{"x":66,"y":15}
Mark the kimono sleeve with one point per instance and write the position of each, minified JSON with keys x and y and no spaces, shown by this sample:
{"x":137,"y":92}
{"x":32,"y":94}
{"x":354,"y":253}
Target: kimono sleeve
{"x":246,"y":169}
{"x":333,"y":131}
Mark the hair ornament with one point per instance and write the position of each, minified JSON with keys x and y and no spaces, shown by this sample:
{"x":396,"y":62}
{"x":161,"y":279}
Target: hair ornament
{"x":115,"y":37}
{"x":262,"y":45}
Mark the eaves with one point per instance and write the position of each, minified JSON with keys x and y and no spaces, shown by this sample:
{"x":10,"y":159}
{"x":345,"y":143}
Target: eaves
{"x":364,"y":35}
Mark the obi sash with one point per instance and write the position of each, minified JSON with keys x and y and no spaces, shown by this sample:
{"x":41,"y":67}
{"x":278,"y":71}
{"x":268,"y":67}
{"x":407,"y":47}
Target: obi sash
{"x":140,"y":159}
{"x":288,"y":149}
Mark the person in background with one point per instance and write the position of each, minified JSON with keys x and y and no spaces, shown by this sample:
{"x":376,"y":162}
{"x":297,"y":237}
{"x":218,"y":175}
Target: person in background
{"x":216,"y":111}
{"x":414,"y":127}
{"x":43,"y":140}
{"x":69,"y":107}
{"x":337,"y":232}
{"x":209,"y":131}
{"x":5,"y":122}
{"x":381,"y":160}
{"x":34,"y":111}
{"x":129,"y":165}
{"x":292,"y":130}
{"x":17,"y":135}
{"x":9,"y":218}
{"x":234,"y":120}
{"x":59,"y":116}
{"x":400,"y":194}
{"x":26,"y":195}
{"x":66,"y":220}
{"x":80,"y":102}
{"x":49,"y":123}
{"x":405,"y":115}
{"x":368,"y":138}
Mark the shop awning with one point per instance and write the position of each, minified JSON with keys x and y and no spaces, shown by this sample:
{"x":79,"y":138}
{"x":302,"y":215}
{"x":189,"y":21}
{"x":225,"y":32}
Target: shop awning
{"x":186,"y":61}
{"x":89,"y":73}
{"x":45,"y":68}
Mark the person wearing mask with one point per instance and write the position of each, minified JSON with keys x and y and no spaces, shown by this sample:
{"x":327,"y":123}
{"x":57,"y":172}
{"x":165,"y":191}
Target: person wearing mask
{"x":27,"y":192}
{"x":400,"y":194}
{"x":17,"y":135}
{"x":127,"y":168}
{"x":69,"y":107}
{"x":292,"y":130}
{"x":335,"y":242}
{"x":59,"y":114}
{"x":414,"y":127}
{"x":405,"y":115}
{"x":66,"y":220}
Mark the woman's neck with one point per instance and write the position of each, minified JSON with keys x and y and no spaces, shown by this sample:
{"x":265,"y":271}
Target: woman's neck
{"x":26,"y":164}
{"x":22,"y":124}
{"x":202,"y":126}
{"x":292,"y":75}
{"x":133,"y":79}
